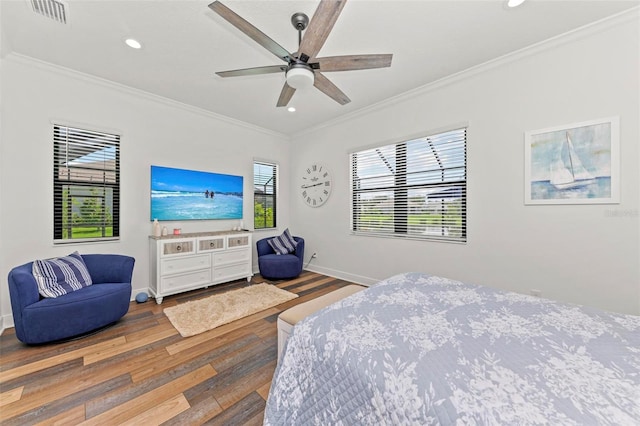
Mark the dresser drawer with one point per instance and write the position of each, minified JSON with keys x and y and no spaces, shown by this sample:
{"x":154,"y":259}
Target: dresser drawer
{"x":210,"y":244}
{"x":178,"y":247}
{"x":184,"y":264}
{"x":242,"y":241}
{"x":186,"y":281}
{"x":231,"y":257}
{"x":231,"y":272}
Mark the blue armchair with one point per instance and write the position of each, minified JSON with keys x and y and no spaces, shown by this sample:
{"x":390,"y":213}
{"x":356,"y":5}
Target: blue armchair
{"x":40,"y":320}
{"x":279,"y":266}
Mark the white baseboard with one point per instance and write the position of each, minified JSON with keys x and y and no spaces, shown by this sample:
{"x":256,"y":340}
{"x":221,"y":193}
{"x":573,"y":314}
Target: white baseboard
{"x":6,"y":321}
{"x":358,"y":279}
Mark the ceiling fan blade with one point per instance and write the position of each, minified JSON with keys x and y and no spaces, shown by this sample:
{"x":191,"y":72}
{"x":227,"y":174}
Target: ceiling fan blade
{"x":285,"y":95}
{"x":353,"y":62}
{"x":253,"y":71}
{"x":320,"y":26}
{"x":243,"y":25}
{"x":323,"y":84}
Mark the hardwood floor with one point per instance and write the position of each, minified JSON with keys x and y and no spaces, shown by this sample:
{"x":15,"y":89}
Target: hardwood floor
{"x":142,"y":372}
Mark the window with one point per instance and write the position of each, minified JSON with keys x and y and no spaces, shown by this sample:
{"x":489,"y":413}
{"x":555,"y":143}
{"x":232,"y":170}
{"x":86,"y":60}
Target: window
{"x":413,"y":189}
{"x":264,"y":195}
{"x":86,"y":185}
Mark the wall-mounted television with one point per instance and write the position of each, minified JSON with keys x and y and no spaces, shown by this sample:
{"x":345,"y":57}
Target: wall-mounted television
{"x":178,"y":194}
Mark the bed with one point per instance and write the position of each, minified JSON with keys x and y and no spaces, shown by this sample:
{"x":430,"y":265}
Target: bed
{"x":416,"y":349}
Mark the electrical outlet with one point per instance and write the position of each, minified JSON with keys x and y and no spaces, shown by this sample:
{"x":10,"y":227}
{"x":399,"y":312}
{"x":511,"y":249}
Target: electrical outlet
{"x":535,"y":292}
{"x":314,"y":255}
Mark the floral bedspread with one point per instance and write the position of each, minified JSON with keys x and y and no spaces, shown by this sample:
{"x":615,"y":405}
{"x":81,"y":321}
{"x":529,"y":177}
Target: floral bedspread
{"x":418,"y":350}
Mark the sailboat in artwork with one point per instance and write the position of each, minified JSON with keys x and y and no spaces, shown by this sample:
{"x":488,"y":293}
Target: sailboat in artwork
{"x":568,"y":172}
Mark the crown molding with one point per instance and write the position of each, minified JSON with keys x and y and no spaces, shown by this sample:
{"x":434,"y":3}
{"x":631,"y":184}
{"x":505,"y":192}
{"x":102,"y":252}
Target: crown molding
{"x":592,"y":28}
{"x":629,"y":15}
{"x":68,"y":72}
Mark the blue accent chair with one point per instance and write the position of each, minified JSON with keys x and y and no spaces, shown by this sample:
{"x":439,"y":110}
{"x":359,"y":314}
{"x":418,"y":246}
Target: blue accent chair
{"x":41,"y":320}
{"x":279,"y":266}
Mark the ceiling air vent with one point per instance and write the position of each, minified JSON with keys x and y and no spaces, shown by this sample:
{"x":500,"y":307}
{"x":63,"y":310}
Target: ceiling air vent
{"x":52,"y":9}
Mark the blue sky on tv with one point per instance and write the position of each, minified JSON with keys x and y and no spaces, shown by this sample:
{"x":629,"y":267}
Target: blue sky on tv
{"x":170,"y":179}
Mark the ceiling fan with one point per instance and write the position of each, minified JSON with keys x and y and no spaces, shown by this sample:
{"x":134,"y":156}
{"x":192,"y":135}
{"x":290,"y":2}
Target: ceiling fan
{"x":303,"y":68}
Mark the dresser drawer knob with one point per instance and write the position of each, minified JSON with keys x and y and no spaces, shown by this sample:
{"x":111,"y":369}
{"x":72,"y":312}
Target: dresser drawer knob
{"x":178,"y":248}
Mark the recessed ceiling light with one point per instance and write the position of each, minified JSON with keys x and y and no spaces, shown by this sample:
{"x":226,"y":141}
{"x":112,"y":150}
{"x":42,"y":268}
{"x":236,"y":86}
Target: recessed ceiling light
{"x":291,"y":109}
{"x":135,"y":44}
{"x":515,"y":3}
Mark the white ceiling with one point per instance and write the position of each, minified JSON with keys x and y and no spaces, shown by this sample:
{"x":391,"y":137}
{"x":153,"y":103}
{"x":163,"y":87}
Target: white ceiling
{"x":185,"y":43}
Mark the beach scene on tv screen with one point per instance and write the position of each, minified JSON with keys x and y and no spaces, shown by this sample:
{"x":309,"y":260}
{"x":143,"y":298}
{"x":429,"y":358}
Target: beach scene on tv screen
{"x":178,"y":194}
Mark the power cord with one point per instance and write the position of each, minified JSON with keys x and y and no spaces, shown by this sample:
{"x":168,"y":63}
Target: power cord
{"x":313,"y":256}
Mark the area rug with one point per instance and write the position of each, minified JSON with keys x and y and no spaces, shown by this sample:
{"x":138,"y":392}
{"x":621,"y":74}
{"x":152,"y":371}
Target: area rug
{"x":198,"y":316}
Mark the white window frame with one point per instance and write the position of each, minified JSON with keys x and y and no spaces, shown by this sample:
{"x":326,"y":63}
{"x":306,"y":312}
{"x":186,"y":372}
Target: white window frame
{"x":263,"y":183}
{"x":415,"y":188}
{"x":86,"y":168}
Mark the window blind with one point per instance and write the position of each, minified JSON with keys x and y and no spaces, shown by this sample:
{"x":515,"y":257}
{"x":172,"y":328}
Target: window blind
{"x":415,"y":188}
{"x":86,"y":185}
{"x":264,"y":195}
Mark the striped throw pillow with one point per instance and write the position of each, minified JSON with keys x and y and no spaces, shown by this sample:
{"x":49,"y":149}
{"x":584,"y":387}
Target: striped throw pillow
{"x":62,"y":275}
{"x":283,"y":244}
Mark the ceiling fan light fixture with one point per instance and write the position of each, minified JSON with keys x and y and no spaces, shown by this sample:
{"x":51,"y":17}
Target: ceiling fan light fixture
{"x":300,"y":71}
{"x":300,"y":77}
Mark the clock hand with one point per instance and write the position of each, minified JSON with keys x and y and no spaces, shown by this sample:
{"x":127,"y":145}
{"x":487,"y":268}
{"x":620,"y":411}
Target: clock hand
{"x":310,"y":186}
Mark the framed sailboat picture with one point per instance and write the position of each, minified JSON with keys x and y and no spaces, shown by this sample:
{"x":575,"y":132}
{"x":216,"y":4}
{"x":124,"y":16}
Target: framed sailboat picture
{"x":573,"y":164}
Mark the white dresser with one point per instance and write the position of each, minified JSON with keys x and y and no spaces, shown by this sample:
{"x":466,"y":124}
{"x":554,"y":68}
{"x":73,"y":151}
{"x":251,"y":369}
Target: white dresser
{"x":186,"y":262}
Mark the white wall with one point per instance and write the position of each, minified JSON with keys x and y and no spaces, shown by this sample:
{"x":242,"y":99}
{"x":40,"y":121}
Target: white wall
{"x":154,"y":131}
{"x":586,"y":254}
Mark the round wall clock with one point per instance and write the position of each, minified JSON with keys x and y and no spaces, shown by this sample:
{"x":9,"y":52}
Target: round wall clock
{"x":315,"y":185}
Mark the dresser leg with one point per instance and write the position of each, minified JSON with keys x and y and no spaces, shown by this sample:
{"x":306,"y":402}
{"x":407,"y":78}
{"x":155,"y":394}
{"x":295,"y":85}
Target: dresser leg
{"x":159,"y":300}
